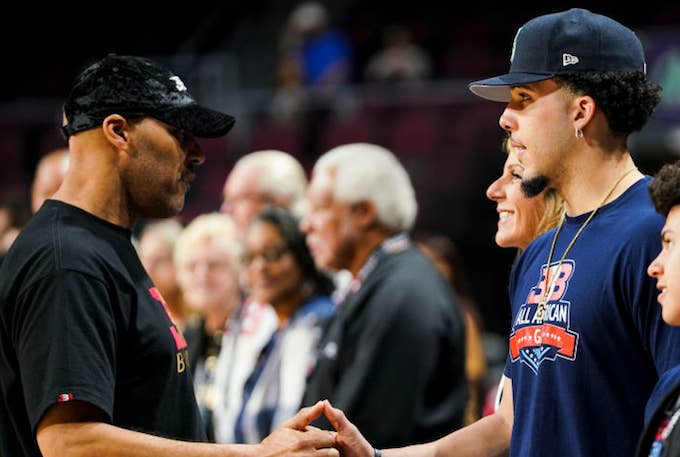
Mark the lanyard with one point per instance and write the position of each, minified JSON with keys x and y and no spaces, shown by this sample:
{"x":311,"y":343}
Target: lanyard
{"x":393,"y":245}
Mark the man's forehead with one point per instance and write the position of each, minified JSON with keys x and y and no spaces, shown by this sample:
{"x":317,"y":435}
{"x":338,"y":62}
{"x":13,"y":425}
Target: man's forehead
{"x":322,"y":180}
{"x":323,"y":176}
{"x":544,"y":86}
{"x":243,"y":179}
{"x":673,"y":218}
{"x":320,"y":187}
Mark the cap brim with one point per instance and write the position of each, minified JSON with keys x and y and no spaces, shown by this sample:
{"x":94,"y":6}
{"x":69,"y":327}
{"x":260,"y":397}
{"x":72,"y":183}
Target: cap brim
{"x":497,"y":89}
{"x":200,"y":121}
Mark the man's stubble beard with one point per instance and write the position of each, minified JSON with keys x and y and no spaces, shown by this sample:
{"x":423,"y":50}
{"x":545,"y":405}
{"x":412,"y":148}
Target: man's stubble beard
{"x":534,"y":186}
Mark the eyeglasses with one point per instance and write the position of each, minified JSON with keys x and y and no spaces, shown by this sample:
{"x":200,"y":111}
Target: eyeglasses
{"x":270,"y":255}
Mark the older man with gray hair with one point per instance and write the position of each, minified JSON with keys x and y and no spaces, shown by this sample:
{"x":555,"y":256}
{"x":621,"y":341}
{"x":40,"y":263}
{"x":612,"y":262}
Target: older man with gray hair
{"x":399,"y":333}
{"x":260,"y":179}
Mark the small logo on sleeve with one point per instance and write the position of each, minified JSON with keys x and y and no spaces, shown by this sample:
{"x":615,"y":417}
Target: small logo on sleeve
{"x":61,"y":398}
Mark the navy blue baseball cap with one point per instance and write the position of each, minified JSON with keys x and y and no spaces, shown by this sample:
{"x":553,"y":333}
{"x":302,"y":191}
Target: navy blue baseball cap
{"x":574,"y":41}
{"x":137,"y":87}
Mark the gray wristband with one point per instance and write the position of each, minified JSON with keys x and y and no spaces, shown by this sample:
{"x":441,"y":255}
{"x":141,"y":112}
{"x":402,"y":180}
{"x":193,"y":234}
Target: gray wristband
{"x":377,"y":452}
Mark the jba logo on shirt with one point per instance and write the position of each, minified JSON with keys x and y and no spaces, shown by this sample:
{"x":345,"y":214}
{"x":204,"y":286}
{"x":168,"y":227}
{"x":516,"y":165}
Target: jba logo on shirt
{"x":541,"y":332}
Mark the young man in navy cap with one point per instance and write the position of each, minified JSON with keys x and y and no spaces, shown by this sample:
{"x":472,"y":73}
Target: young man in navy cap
{"x":587,"y":343}
{"x":91,"y":362}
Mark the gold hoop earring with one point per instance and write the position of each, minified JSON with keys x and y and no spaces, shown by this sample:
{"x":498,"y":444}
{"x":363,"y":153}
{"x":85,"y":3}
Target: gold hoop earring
{"x":579,"y":134}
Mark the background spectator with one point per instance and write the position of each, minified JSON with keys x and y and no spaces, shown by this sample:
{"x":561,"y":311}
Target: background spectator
{"x":325,"y":57}
{"x":156,"y":247}
{"x":279,"y":271}
{"x":399,"y":333}
{"x":15,"y":212}
{"x":49,"y":175}
{"x":263,"y":178}
{"x":207,"y":258}
{"x":400,"y":59}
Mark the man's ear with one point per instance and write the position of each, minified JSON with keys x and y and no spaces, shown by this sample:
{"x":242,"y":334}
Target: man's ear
{"x":364,"y":213}
{"x":584,"y":110}
{"x":116,"y":131}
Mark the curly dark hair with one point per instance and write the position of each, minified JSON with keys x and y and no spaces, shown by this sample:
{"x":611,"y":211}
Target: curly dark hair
{"x":665,"y":188}
{"x":626,"y":99}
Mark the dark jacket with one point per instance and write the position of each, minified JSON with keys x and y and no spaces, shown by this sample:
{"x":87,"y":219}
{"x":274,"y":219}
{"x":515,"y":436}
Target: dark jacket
{"x":672,"y":444}
{"x":393,"y":357}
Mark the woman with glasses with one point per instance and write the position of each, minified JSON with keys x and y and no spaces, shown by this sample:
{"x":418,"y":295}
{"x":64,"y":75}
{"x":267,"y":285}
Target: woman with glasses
{"x":278,"y":271}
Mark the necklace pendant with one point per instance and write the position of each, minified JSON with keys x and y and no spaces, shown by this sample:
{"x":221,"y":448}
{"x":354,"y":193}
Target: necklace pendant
{"x":540,"y":311}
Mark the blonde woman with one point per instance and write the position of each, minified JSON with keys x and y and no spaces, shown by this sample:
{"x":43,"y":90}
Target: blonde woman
{"x":208,"y":263}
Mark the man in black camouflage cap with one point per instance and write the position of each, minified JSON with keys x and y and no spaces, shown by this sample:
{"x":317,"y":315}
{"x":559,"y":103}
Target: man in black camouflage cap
{"x":91,"y":361}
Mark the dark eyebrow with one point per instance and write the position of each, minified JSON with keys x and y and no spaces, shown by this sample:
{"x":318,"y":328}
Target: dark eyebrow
{"x":530,"y":87}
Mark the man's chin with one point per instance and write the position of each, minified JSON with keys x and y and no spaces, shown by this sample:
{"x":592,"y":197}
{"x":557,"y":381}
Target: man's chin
{"x":324,"y":263}
{"x":170,"y":210}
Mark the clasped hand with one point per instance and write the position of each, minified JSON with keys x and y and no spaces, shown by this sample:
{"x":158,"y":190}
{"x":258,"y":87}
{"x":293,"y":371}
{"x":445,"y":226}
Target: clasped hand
{"x":297,"y":438}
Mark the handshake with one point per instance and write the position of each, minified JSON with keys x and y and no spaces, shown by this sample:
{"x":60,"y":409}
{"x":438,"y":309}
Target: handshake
{"x":297,"y":438}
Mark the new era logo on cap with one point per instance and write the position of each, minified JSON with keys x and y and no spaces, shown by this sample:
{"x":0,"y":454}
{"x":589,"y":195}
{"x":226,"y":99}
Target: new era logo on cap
{"x":567,"y":42}
{"x":568,"y":59}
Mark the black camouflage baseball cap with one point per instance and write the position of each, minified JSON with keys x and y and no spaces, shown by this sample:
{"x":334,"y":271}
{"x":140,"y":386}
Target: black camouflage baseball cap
{"x":573,"y":41}
{"x":137,"y":87}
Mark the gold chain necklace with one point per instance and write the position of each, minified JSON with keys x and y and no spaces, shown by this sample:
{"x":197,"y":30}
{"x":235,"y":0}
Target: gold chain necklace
{"x":540,"y":311}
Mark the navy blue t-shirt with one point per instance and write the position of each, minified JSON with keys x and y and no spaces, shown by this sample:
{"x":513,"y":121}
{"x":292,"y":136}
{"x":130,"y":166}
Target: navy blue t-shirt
{"x":581,"y":377}
{"x":81,"y":320}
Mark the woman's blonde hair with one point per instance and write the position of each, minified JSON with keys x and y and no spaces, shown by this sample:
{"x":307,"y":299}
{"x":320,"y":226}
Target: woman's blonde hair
{"x":211,"y":226}
{"x":554,"y":211}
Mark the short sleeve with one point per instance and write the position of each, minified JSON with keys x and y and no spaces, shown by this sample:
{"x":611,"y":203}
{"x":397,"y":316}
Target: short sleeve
{"x":65,"y":335}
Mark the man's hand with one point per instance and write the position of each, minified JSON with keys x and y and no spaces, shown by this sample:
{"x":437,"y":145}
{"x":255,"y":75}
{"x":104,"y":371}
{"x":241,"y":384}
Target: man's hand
{"x":296,"y":439}
{"x":349,"y":439}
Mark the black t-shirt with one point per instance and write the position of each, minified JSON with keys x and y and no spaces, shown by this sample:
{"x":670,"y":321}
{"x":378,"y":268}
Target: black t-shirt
{"x":81,"y":320}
